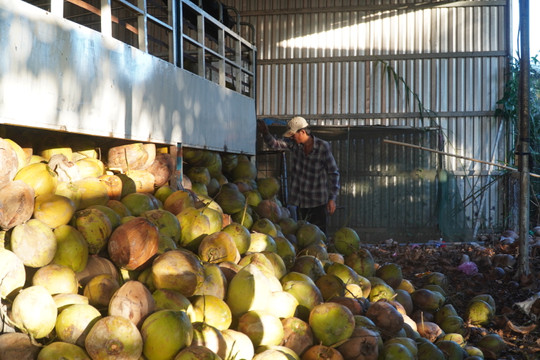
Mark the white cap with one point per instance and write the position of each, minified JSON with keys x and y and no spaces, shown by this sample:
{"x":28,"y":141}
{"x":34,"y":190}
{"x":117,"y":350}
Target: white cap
{"x":295,"y":124}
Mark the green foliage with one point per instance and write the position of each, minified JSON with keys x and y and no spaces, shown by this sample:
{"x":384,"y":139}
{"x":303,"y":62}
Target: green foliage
{"x":509,"y":105}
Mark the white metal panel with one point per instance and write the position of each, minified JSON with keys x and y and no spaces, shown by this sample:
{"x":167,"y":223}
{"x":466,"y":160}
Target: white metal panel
{"x":58,"y":75}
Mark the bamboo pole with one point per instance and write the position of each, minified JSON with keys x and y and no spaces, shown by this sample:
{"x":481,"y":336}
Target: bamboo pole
{"x":524,"y":141}
{"x":454,"y":155}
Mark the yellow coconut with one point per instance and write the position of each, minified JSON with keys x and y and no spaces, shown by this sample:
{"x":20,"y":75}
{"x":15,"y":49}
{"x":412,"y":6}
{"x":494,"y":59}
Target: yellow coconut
{"x":57,"y":279}
{"x":238,"y":345}
{"x":178,"y":270}
{"x":74,"y":323}
{"x":22,"y":157}
{"x":215,"y":281}
{"x":64,"y":300}
{"x":70,"y":190}
{"x":34,"y":243}
{"x":93,"y":192}
{"x":212,"y":311}
{"x":90,"y":167}
{"x":53,"y":210}
{"x":262,"y":328}
{"x":12,"y":273}
{"x":218,"y":247}
{"x":48,"y":152}
{"x":248,"y":290}
{"x":34,"y":310}
{"x":100,"y":289}
{"x":40,"y":177}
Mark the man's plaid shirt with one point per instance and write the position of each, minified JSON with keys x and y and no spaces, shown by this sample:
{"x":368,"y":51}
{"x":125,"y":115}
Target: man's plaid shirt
{"x":314,"y":177}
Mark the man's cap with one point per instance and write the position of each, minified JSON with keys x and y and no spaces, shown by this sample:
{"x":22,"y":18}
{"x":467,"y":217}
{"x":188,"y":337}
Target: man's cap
{"x":295,"y":124}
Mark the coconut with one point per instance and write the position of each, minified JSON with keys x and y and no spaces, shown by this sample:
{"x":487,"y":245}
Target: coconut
{"x":362,"y":262}
{"x":331,"y":323}
{"x":436,"y":278}
{"x":196,"y":352}
{"x":90,"y":167}
{"x":277,"y":263}
{"x":175,"y":324}
{"x":298,"y":335}
{"x":240,"y":235}
{"x":261,"y":328}
{"x":113,"y":216}
{"x":100,"y":289}
{"x":39,"y":177}
{"x":386,"y":317}
{"x":113,"y":183}
{"x":162,"y":168}
{"x":346,"y":240}
{"x":363,"y":344}
{"x":179,"y":270}
{"x":253,"y":197}
{"x":194,"y":227}
{"x":429,"y":351}
{"x":215,"y":218}
{"x":199,"y":174}
{"x":268,"y":187}
{"x":238,"y":345}
{"x":212,"y":311}
{"x":62,"y":301}
{"x":209,"y":337}
{"x":132,"y":301}
{"x":309,"y":265}
{"x":138,"y":203}
{"x":130,"y":157}
{"x":12,"y":273}
{"x":317,"y":249}
{"x":321,"y":352}
{"x":487,"y":298}
{"x":62,"y":350}
{"x":248,"y":290}
{"x":230,"y":199}
{"x":96,"y":265}
{"x":10,"y":162}
{"x":404,"y":298}
{"x":90,"y":191}
{"x":330,"y":286}
{"x":178,"y":201}
{"x":429,"y":330}
{"x":445,"y":311}
{"x":95,"y":227}
{"x":162,"y":193}
{"x":265,"y":226}
{"x":34,"y":311}
{"x":244,"y":218}
{"x":172,"y":300}
{"x":74,"y":323}
{"x":282,"y":304}
{"x":57,"y":279}
{"x":344,"y":272}
{"x":261,"y":242}
{"x":133,"y":243}
{"x":285,"y":250}
{"x":19,"y":346}
{"x":391,"y":274}
{"x":395,"y":351}
{"x":16,"y":204}
{"x":479,"y":313}
{"x":34,"y":243}
{"x":215,"y":282}
{"x":71,"y":190}
{"x":406,"y":285}
{"x":259,"y":260}
{"x":229,"y":269}
{"x":270,"y":210}
{"x":275,"y":353}
{"x":288,"y":225}
{"x":114,"y":337}
{"x":453,"y":324}
{"x":308,"y":234}
{"x":244,"y":169}
{"x":22,"y":157}
{"x":229,"y":162}
{"x":306,"y":293}
{"x":427,"y":300}
{"x":380,"y":290}
{"x":451,"y":349}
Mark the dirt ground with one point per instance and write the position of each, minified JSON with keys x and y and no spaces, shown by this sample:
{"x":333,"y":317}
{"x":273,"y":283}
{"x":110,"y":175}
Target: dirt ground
{"x":496,"y":275}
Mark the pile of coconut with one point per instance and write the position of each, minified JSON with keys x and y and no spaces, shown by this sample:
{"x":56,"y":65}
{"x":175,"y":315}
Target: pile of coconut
{"x":104,"y":259}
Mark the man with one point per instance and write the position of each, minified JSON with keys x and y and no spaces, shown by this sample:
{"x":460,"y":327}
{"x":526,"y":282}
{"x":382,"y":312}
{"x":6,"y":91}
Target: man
{"x":314,"y":174}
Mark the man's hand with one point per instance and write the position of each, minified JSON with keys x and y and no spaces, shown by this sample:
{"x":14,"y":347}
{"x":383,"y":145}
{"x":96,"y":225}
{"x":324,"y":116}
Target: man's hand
{"x":331,"y":207}
{"x":262,"y":127}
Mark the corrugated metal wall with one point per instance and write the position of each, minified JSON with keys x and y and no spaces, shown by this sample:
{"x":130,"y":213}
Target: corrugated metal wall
{"x":395,"y":63}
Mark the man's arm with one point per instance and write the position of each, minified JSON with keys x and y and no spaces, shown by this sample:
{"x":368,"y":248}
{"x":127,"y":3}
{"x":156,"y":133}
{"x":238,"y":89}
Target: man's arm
{"x":271,"y":141}
{"x":333,"y":181}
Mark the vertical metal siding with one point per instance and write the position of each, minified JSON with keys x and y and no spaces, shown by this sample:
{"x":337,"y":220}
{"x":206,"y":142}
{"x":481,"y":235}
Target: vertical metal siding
{"x":322,"y":60}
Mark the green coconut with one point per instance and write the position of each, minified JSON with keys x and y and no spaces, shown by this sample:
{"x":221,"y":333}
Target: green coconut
{"x":444,"y":311}
{"x":138,"y":203}
{"x":380,"y":290}
{"x":253,"y":197}
{"x":330,"y":286}
{"x":179,"y":270}
{"x":178,"y":201}
{"x":248,"y":290}
{"x":261,"y":242}
{"x":451,"y":349}
{"x":427,"y":300}
{"x":429,"y":351}
{"x":244,"y":169}
{"x":288,"y":225}
{"x":194,"y":227}
{"x":177,"y":327}
{"x":362,"y":262}
{"x":230,"y":198}
{"x":453,"y":324}
{"x":166,"y":222}
{"x":265,"y":226}
{"x":308,"y":234}
{"x":396,"y":351}
{"x":491,"y":345}
{"x":306,"y":293}
{"x":344,"y":272}
{"x":241,"y":236}
{"x":309,"y":265}
{"x":391,"y":274}
{"x":346,"y":240}
{"x":95,"y":227}
{"x":286,"y":250}
{"x":268,"y":187}
{"x":409,"y":343}
{"x":199,"y":174}
{"x":331,"y":323}
{"x":212,"y":311}
{"x":62,"y":350}
{"x":479,"y":313}
{"x":196,"y":352}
